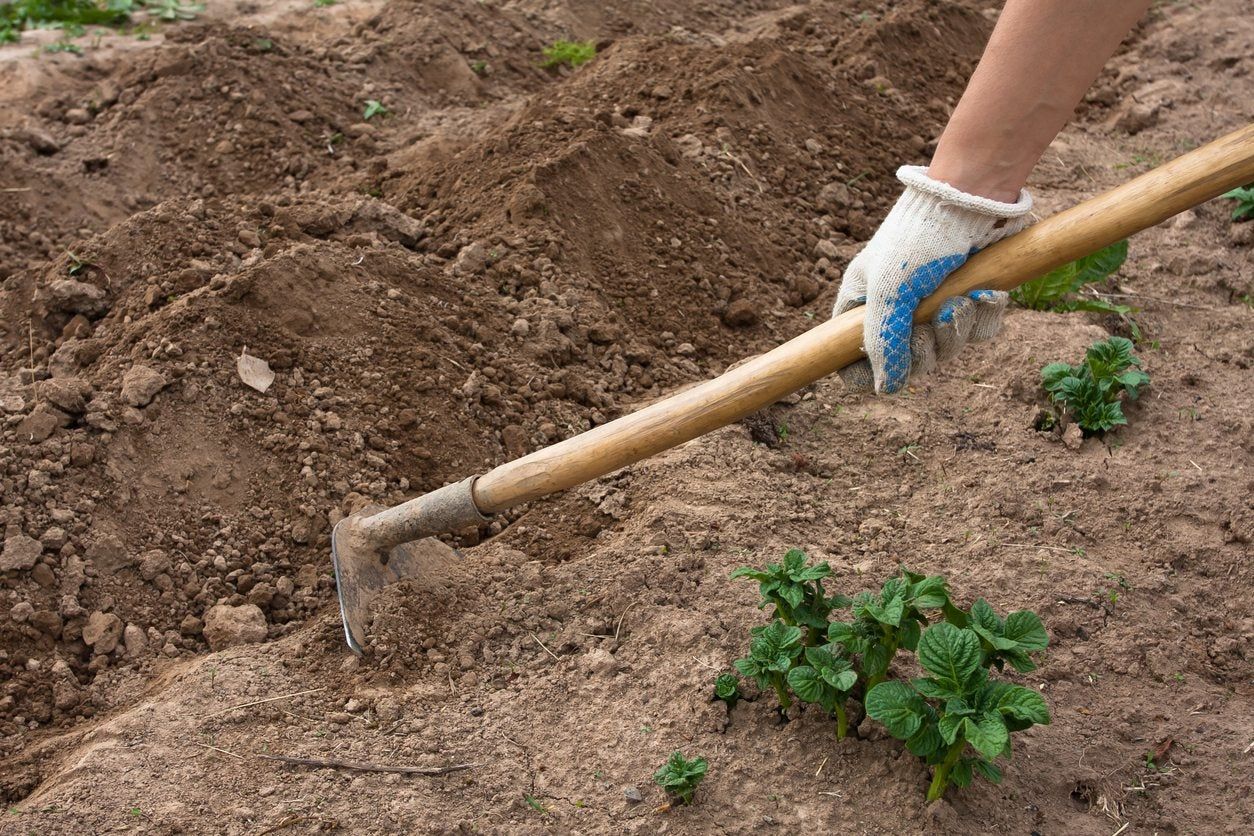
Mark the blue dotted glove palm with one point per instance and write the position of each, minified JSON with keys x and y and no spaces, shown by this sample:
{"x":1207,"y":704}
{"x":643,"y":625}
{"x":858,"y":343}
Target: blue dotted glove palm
{"x":929,"y":233}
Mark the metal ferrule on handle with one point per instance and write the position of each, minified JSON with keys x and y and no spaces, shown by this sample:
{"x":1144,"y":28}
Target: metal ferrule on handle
{"x":445,"y":509}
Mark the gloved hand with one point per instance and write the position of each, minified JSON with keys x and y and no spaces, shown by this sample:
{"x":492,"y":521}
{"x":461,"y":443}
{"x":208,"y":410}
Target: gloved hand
{"x":929,"y":233}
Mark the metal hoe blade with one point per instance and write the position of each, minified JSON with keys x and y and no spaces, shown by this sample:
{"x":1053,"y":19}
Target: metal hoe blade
{"x":361,"y":570}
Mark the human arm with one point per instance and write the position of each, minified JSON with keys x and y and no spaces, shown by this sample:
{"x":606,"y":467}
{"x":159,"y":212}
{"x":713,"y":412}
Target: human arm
{"x":1042,"y":56}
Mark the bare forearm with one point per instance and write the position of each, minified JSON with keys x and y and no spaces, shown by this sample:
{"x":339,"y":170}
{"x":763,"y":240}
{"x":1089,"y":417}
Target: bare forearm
{"x":1042,"y":57}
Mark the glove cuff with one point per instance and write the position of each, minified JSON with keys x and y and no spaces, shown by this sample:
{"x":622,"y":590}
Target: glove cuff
{"x":916,"y":177}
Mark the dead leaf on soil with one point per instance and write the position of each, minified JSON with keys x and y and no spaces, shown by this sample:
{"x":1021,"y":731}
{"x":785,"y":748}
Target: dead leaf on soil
{"x":254,"y":371}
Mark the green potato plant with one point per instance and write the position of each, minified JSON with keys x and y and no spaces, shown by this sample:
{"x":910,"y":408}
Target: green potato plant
{"x":956,"y":708}
{"x":680,"y":777}
{"x":826,"y":679}
{"x":888,"y":621}
{"x":795,"y":590}
{"x":957,"y":719}
{"x":1244,"y":197}
{"x":1057,"y":290}
{"x":773,"y":650}
{"x":1092,"y":392}
{"x":727,"y":689}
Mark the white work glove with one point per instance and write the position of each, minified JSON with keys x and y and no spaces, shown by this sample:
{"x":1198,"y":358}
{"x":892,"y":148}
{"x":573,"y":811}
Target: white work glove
{"x":930,"y":232}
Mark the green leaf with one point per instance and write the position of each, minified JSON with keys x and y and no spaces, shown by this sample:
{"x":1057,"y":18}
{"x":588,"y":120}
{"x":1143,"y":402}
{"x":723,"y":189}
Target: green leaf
{"x":949,"y":726}
{"x":792,"y":594}
{"x":936,"y":690}
{"x":1039,"y":293}
{"x":1025,"y":629}
{"x":1097,"y":266}
{"x":824,"y":657}
{"x":1245,"y":202}
{"x":1018,"y":660}
{"x":807,"y":684}
{"x":960,"y":775}
{"x":840,"y":680}
{"x":988,"y":770}
{"x":908,"y":636}
{"x":930,"y":593}
{"x":889,"y":609}
{"x":680,"y":776}
{"x":875,"y":660}
{"x":726,"y":687}
{"x":925,"y":741}
{"x":1023,"y":704}
{"x":841,"y":632}
{"x":749,"y":572}
{"x":897,"y":707}
{"x":950,"y":654}
{"x":987,"y":734}
{"x":984,"y":616}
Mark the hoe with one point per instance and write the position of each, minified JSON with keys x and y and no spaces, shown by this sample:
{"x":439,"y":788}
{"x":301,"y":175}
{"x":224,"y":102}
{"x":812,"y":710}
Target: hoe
{"x":376,"y":547}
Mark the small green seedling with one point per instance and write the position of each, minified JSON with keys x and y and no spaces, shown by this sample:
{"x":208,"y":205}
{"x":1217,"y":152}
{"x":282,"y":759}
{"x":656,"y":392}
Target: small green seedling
{"x":479,"y":68}
{"x":63,"y":45}
{"x":939,"y":716}
{"x":827,"y":679}
{"x":1057,"y":289}
{"x":884,"y":623}
{"x":174,"y":9}
{"x":322,"y":4}
{"x":571,"y":53}
{"x":773,"y":650}
{"x":1092,"y":391}
{"x":680,"y":777}
{"x":375,"y":108}
{"x":796,"y":592}
{"x":727,"y":689}
{"x":1244,"y":197}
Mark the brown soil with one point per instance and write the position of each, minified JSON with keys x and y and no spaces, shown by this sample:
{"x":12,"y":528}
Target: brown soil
{"x":515,"y":255}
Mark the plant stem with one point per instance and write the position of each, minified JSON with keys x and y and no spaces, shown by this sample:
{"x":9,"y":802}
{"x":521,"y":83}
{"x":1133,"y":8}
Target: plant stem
{"x":940,"y":779}
{"x":785,"y":702}
{"x":842,"y":722}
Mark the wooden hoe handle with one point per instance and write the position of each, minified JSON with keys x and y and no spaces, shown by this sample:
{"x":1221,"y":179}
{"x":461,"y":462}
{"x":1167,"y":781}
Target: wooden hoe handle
{"x":1186,"y":181}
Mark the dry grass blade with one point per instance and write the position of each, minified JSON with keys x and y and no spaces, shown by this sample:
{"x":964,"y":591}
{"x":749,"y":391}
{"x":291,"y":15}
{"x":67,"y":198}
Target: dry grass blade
{"x":354,"y":766}
{"x":267,"y":699}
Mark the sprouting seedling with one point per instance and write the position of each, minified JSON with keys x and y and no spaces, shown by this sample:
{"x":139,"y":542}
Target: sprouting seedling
{"x":773,"y":650}
{"x":76,"y":265}
{"x":1244,"y":197}
{"x":479,"y":68}
{"x":826,"y":679}
{"x":891,"y":620}
{"x":727,"y":689}
{"x":939,"y":716}
{"x":571,"y":53}
{"x":374,"y":108}
{"x":1092,"y":391}
{"x":796,"y":592}
{"x":322,"y":4}
{"x":680,"y":777}
{"x":173,"y":9}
